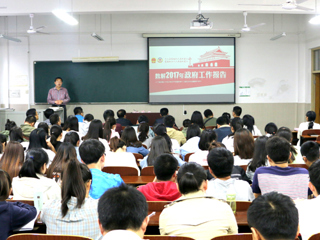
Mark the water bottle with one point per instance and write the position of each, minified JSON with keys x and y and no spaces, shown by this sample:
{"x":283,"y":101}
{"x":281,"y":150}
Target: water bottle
{"x":231,"y":197}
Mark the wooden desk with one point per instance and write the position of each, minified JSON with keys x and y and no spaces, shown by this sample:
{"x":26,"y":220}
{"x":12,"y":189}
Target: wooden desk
{"x":137,"y":180}
{"x":305,"y":138}
{"x":133,"y":117}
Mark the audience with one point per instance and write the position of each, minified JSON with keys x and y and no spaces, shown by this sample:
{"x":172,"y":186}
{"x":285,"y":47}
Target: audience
{"x":28,"y":126}
{"x":193,"y":138}
{"x":143,"y":134}
{"x":78,"y":113}
{"x":7,"y":127}
{"x":248,"y":122}
{"x":243,"y":147}
{"x":209,"y":120}
{"x":55,"y":119}
{"x":169,"y":122}
{"x":164,"y":187}
{"x":33,"y":112}
{"x":84,"y":126}
{"x":77,"y":213}
{"x":271,"y":129}
{"x":13,"y":215}
{"x":223,"y":128}
{"x":186,"y":123}
{"x":109,"y":129}
{"x":92,"y":153}
{"x":110,"y":113}
{"x":71,"y":125}
{"x":133,"y":220}
{"x":310,"y":152}
{"x":220,"y":162}
{"x":279,"y":176}
{"x":133,"y":145}
{"x":236,"y":111}
{"x":173,"y":144}
{"x":74,"y":139}
{"x":3,"y":144}
{"x":163,"y":112}
{"x":309,"y":124}
{"x":31,"y":179}
{"x":273,"y":216}
{"x":196,"y":215}
{"x":45,"y":127}
{"x":196,"y":118}
{"x":16,"y":135}
{"x":55,"y":136}
{"x":47,"y":113}
{"x":235,"y":124}
{"x":122,"y":118}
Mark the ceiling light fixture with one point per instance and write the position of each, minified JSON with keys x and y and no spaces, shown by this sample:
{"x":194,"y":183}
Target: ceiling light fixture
{"x":10,"y":38}
{"x":278,"y":36}
{"x":64,"y":16}
{"x":96,"y":36}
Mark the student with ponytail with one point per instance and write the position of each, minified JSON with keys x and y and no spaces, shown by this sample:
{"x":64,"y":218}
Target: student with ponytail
{"x":31,"y":178}
{"x":143,"y":134}
{"x":235,"y":124}
{"x":73,"y":138}
{"x":13,"y":215}
{"x":76,"y":214}
{"x":248,"y":122}
{"x":108,"y":131}
{"x":309,"y":124}
{"x":55,"y":136}
{"x":194,"y":213}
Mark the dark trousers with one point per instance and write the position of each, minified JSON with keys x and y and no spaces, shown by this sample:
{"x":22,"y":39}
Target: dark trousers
{"x":64,"y":111}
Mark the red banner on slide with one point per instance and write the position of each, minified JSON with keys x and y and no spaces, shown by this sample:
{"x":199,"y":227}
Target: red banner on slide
{"x":174,"y":79}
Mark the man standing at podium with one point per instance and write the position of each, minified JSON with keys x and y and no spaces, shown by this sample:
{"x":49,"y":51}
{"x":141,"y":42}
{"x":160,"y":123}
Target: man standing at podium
{"x":58,"y":96}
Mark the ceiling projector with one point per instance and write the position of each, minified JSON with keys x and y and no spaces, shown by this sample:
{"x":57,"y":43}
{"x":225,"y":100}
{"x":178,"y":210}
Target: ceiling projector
{"x":200,"y":23}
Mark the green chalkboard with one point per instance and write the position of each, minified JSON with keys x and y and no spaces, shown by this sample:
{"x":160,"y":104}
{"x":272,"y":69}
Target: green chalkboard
{"x":123,"y":81}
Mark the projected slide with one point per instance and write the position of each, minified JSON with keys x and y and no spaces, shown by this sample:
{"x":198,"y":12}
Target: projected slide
{"x":191,"y":70}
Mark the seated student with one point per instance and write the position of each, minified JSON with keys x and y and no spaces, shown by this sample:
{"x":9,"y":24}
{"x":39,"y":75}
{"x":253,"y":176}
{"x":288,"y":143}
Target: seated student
{"x":164,"y":187}
{"x":28,"y":126}
{"x":193,"y":138}
{"x":159,"y":146}
{"x":92,"y":153}
{"x":163,"y":112}
{"x":110,"y":113}
{"x":308,"y":209}
{"x":3,"y":144}
{"x":243,"y":147}
{"x":122,"y":118}
{"x":12,"y":159}
{"x":33,"y":112}
{"x":259,"y":158}
{"x":47,"y":113}
{"x":186,"y":123}
{"x":173,"y":144}
{"x":7,"y":127}
{"x":55,"y":136}
{"x":196,"y":118}
{"x":209,"y":120}
{"x":220,"y":162}
{"x":271,"y":129}
{"x":279,"y":177}
{"x":169,"y":122}
{"x":109,"y":129}
{"x":248,"y":122}
{"x":31,"y":178}
{"x":309,"y":124}
{"x":55,"y":119}
{"x":223,"y":129}
{"x":71,"y":124}
{"x":235,"y":124}
{"x":310,"y":152}
{"x":74,"y":139}
{"x":133,"y":145}
{"x":143,"y":134}
{"x":133,"y":220}
{"x":273,"y":216}
{"x":77,"y":213}
{"x":206,"y":138}
{"x":119,"y":157}
{"x":194,"y":213}
{"x":13,"y":215}
{"x":227,"y":116}
{"x":84,"y":126}
{"x":16,"y":135}
{"x":143,"y":119}
{"x":78,"y":112}
{"x":45,"y":127}
{"x":236,"y":111}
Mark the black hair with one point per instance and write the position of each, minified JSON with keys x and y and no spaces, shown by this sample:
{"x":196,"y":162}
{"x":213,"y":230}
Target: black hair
{"x":143,"y":130}
{"x":274,"y":215}
{"x":77,"y":110}
{"x":121,"y":113}
{"x":44,"y":126}
{"x":287,"y":134}
{"x":314,"y":174}
{"x":222,"y":120}
{"x":164,"y":112}
{"x":16,"y":134}
{"x":311,"y":115}
{"x":248,"y":121}
{"x":110,"y":121}
{"x":236,"y":124}
{"x":91,"y":151}
{"x":220,"y":160}
{"x":30,"y":119}
{"x":161,"y":130}
{"x":158,"y":146}
{"x":73,"y":184}
{"x":186,"y":123}
{"x":165,"y":166}
{"x":72,"y":123}
{"x":260,"y":154}
{"x":38,"y":139}
{"x":55,"y":132}
{"x":5,"y":185}
{"x":310,"y":150}
{"x":129,"y":136}
{"x":88,"y":117}
{"x":169,"y":121}
{"x":3,"y":139}
{"x":207,"y":113}
{"x":207,"y":136}
{"x":190,"y":177}
{"x":143,"y":119}
{"x":108,"y":113}
{"x":57,"y":78}
{"x":227,"y":116}
{"x":237,"y":111}
{"x":72,"y":137}
{"x":54,"y":119}
{"x":271,"y":128}
{"x":95,"y":130}
{"x":278,"y":149}
{"x":48,"y":112}
{"x":35,"y":159}
{"x":126,"y":200}
{"x":9,"y":124}
{"x":197,"y":118}
{"x":31,"y":112}
{"x":193,"y":131}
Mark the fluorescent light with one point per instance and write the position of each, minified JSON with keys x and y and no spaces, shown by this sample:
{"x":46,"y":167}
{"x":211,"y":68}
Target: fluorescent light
{"x":10,"y":38}
{"x":278,"y":36}
{"x":96,"y":36}
{"x":315,"y":20}
{"x":150,"y":35}
{"x":64,"y":16}
{"x":95,"y":59}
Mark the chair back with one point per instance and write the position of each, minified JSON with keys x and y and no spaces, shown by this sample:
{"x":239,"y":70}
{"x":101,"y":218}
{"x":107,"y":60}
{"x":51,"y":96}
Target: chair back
{"x":244,"y":167}
{"x":299,"y":165}
{"x":29,"y":202}
{"x":187,"y":156}
{"x":157,"y":206}
{"x":145,"y":146}
{"x":137,"y":157}
{"x":33,"y":236}
{"x":315,"y":237}
{"x":123,"y":171}
{"x":158,"y":237}
{"x":211,"y":127}
{"x":311,"y":132}
{"x":205,"y":167}
{"x":147,"y":171}
{"x":239,"y":236}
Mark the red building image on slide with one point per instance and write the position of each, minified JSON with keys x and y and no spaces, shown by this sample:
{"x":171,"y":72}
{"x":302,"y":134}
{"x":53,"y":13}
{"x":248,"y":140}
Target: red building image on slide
{"x":214,"y":58}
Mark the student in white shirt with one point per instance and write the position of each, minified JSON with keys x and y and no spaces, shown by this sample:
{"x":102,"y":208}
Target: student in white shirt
{"x":235,"y":124}
{"x":243,"y":147}
{"x":109,"y":129}
{"x":270,"y":129}
{"x":143,"y":134}
{"x":248,"y":122}
{"x":193,"y":138}
{"x":71,"y":125}
{"x":84,"y":126}
{"x":309,"y":124}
